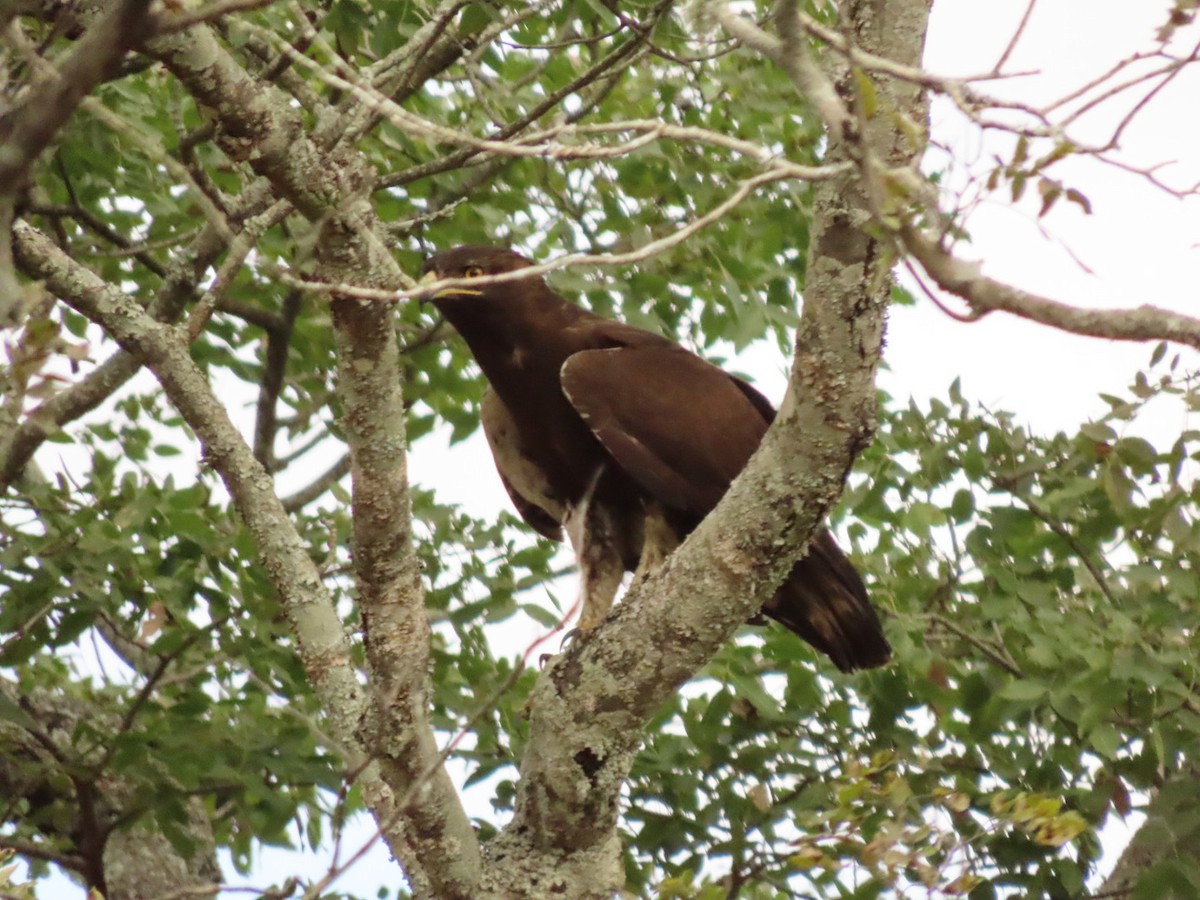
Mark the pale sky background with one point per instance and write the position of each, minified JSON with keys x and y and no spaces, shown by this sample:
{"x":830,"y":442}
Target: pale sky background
{"x":1140,"y":245}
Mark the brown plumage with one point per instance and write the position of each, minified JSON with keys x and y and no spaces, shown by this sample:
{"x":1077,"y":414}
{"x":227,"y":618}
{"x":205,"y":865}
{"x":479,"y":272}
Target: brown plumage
{"x":626,"y":440}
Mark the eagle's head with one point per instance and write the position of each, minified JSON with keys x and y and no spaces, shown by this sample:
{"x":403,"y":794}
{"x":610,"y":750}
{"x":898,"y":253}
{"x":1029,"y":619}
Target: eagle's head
{"x":469,"y":261}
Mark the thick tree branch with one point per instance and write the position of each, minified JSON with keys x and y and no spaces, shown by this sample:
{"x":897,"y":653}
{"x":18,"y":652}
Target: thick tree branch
{"x":961,"y":278}
{"x":322,"y":644}
{"x":28,"y":128}
{"x":18,"y":445}
{"x":590,"y":706}
{"x":182,"y":276}
{"x":284,"y":557}
{"x":428,"y":829}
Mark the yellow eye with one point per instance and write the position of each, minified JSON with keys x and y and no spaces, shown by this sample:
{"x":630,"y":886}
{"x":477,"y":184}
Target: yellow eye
{"x":472,"y":272}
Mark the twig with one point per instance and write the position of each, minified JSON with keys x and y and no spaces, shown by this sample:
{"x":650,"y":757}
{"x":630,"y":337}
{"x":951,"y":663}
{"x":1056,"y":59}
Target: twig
{"x":647,"y":250}
{"x":275,"y":357}
{"x":1012,"y":43}
{"x":987,"y":649}
{"x":983,"y":294}
{"x":318,"y":486}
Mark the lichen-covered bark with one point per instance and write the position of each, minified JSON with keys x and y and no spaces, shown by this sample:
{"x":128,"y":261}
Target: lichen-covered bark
{"x":1168,"y":834}
{"x":183,"y":274}
{"x":323,"y":645}
{"x":140,"y":862}
{"x":96,"y":829}
{"x":421,"y":813}
{"x":589,"y":708}
{"x":27,"y":127}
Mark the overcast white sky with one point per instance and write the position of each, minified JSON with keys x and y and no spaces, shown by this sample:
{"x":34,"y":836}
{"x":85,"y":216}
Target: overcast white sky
{"x":1140,"y":245}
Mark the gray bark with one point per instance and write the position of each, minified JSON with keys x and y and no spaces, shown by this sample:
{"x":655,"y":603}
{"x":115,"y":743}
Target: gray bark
{"x":1168,"y":835}
{"x":591,"y":704}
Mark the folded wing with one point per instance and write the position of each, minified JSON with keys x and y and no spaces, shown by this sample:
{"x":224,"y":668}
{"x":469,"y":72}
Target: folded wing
{"x":677,"y":425}
{"x":683,"y":429}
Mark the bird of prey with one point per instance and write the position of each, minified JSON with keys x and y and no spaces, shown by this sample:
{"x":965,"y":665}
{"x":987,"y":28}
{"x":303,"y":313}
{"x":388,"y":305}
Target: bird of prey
{"x":625,"y":441}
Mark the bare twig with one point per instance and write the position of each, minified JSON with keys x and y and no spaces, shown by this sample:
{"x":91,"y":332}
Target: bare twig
{"x":647,"y":250}
{"x":992,"y":652}
{"x":319,"y":485}
{"x":271,"y":383}
{"x":1016,"y":37}
{"x":1065,"y":533}
{"x":948,"y":272}
{"x":983,"y":294}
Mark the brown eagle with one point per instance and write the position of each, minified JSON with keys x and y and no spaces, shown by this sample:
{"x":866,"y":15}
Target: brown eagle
{"x":625,"y":441}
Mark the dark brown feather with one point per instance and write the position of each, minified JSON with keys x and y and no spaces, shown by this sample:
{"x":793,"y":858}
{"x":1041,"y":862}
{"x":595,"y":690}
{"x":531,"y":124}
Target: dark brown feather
{"x":620,"y":436}
{"x":677,"y":424}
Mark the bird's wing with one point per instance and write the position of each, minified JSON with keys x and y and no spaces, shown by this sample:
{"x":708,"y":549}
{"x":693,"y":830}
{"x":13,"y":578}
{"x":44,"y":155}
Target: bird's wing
{"x":825,"y":602}
{"x":678,"y":426}
{"x":525,"y":482}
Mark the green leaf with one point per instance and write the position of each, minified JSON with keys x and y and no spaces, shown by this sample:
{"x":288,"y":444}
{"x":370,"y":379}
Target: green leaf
{"x":962,"y":507}
{"x":866,"y":93}
{"x":1098,"y":431}
{"x":1022,"y":689}
{"x":1174,"y":878}
{"x":1105,"y":740}
{"x":11,"y":712}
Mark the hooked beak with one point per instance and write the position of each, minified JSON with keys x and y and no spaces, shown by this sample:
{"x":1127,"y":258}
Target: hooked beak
{"x":429,"y":296}
{"x":427,"y":278}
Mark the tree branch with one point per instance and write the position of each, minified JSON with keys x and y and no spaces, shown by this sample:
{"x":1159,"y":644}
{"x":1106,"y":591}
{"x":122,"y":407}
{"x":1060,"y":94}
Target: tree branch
{"x":590,"y":705}
{"x":318,"y":486}
{"x":274,"y":370}
{"x":322,"y":644}
{"x":427,"y":828}
{"x":28,"y":128}
{"x":984,"y":295}
{"x":182,"y":276}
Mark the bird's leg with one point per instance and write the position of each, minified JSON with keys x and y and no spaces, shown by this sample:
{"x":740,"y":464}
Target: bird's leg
{"x":601,"y":578}
{"x":659,"y":541}
{"x":591,"y":531}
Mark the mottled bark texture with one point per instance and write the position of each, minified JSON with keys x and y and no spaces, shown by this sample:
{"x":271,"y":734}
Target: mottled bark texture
{"x":590,"y":706}
{"x":1168,"y":834}
{"x":330,"y":185}
{"x":97,"y":829}
{"x":20,"y":442}
{"x":322,"y":643}
{"x":29,"y":126}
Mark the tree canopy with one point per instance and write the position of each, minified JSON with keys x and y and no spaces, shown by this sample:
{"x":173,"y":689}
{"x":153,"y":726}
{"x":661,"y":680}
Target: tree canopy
{"x":228,"y":621}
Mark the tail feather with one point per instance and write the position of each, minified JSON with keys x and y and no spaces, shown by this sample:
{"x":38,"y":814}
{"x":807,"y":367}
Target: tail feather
{"x":825,"y":602}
